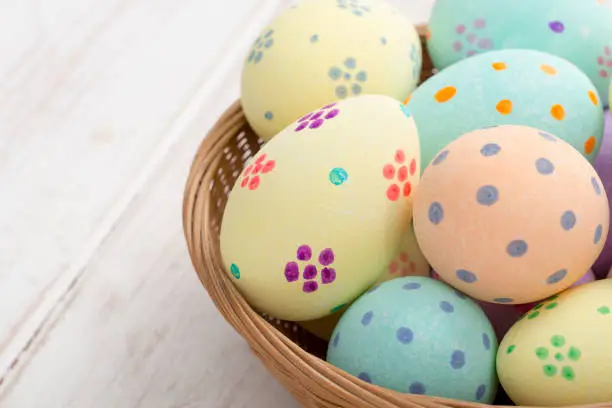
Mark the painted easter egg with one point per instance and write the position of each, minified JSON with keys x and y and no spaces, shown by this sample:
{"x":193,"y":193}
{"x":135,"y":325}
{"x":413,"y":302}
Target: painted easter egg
{"x":509,"y":87}
{"x":321,"y":210}
{"x":320,"y":51}
{"x":558,"y":354}
{"x":420,"y":336}
{"x":409,"y":260}
{"x":576,"y":30}
{"x":510,"y":214}
{"x":603,"y":165}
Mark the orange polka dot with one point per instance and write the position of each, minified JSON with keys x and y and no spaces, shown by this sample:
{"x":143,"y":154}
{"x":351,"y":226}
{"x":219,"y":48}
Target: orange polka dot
{"x":445,"y":94}
{"x":404,"y":257}
{"x":547,"y":69}
{"x":389,"y":172}
{"x":402,"y":174}
{"x":254,"y":183}
{"x":269,"y":166}
{"x":407,"y":100}
{"x":400,"y":156}
{"x":248,"y":170}
{"x":590,"y":144}
{"x":393,"y":267}
{"x":557,"y":112}
{"x":499,"y":66}
{"x":393,"y":192}
{"x":593,"y":98}
{"x":245,"y":181}
{"x":504,"y":106}
{"x":412,"y":167}
{"x":428,"y":34}
{"x":407,"y":189}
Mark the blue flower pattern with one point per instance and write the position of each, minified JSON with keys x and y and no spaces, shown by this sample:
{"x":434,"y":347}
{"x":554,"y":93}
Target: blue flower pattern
{"x":354,"y":6}
{"x":352,"y":79}
{"x":261,"y":44}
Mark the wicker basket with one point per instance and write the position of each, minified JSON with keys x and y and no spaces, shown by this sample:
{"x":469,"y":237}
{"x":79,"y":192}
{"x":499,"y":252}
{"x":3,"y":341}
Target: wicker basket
{"x":292,"y":354}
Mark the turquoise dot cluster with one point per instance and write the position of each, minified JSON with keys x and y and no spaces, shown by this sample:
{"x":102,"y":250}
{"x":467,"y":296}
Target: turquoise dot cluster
{"x":420,"y":336}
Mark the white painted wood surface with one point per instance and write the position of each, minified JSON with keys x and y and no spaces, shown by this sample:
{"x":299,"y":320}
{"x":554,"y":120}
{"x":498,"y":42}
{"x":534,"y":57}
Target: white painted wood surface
{"x":102,"y":105}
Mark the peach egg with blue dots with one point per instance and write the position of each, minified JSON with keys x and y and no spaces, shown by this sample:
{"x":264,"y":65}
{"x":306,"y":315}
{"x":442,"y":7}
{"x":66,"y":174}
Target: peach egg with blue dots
{"x":321,"y":51}
{"x":559,"y":353}
{"x":316,"y":215}
{"x":420,"y":336}
{"x":576,"y":30}
{"x":510,"y":214}
{"x":508,"y":87}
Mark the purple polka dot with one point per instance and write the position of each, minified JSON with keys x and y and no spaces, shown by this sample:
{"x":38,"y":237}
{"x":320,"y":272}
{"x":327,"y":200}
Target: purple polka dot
{"x":480,"y":23}
{"x":305,"y":117}
{"x":446,"y":307}
{"x":470,"y":53}
{"x":417,"y":388}
{"x":367,"y":318}
{"x":310,"y":286}
{"x":480,"y":392}
{"x":317,"y":115}
{"x":460,"y":29}
{"x":292,"y":271}
{"x":365,"y":377}
{"x":485,"y":43}
{"x":457,"y":359}
{"x":301,"y":126}
{"x":328,"y":275}
{"x":332,"y":114}
{"x":411,"y":286}
{"x":486,"y":341}
{"x":471,"y":38}
{"x":457,"y":46}
{"x":336,"y":339}
{"x":310,"y":272}
{"x":404,"y":335}
{"x":331,"y":105}
{"x":316,"y":123}
{"x":304,"y":253}
{"x":326,"y":257}
{"x":556,"y":26}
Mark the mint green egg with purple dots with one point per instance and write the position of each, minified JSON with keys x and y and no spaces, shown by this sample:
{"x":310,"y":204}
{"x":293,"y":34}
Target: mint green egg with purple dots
{"x":508,"y":87}
{"x":576,"y":30}
{"x":420,"y":336}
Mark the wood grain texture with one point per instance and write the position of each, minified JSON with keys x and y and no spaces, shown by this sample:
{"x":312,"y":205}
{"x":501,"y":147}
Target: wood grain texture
{"x":102,"y":105}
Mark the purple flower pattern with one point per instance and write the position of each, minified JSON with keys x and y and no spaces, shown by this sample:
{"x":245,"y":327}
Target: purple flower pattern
{"x":471,"y":40}
{"x":315,"y":120}
{"x":311,"y":270}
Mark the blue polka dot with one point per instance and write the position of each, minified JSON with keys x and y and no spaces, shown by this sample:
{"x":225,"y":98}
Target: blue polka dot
{"x":480,"y":392}
{"x":486,"y":341}
{"x":517,"y":248}
{"x":547,"y":136}
{"x":338,"y":176}
{"x":487,"y":195}
{"x":361,"y":76}
{"x":440,"y":158}
{"x":314,"y":38}
{"x":383,"y":40}
{"x":258,"y":57}
{"x":598,"y":234}
{"x":436,"y":213}
{"x":417,"y":388}
{"x":411,"y":286}
{"x":596,"y":186}
{"x":341,"y":91}
{"x":356,"y":88}
{"x":568,"y":220}
{"x":373,"y":288}
{"x":350,"y":62}
{"x":367,"y":318}
{"x":490,"y":149}
{"x":404,"y":335}
{"x":334,"y":73}
{"x":365,"y":377}
{"x":466,"y":276}
{"x":269,"y":115}
{"x":544,"y":166}
{"x":556,"y":277}
{"x":457,"y":359}
{"x":446,"y":307}
{"x":460,"y":295}
{"x":347,"y":76}
{"x":503,"y":300}
{"x":336,"y":339}
{"x":235,"y":271}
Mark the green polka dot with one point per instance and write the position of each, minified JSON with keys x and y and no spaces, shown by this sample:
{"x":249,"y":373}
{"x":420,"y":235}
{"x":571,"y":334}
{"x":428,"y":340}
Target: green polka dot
{"x":533,"y":315}
{"x":574,"y":354}
{"x":559,"y":357}
{"x":235,"y":271}
{"x":551,"y":306}
{"x":538,"y":306}
{"x":552,"y":298}
{"x":335,"y":309}
{"x":338,"y":176}
{"x":510,"y":349}
{"x":557,"y":340}
{"x":542,"y":353}
{"x":568,"y":373}
{"x":604,"y":310}
{"x":550,"y":370}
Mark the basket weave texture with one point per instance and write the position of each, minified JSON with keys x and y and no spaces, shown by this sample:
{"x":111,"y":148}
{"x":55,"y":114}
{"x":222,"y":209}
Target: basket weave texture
{"x":292,"y":354}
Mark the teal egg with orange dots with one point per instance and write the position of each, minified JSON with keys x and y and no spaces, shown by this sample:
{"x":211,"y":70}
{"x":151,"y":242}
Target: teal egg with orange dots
{"x":558,"y":354}
{"x":508,"y":87}
{"x":576,"y":30}
{"x":420,"y":336}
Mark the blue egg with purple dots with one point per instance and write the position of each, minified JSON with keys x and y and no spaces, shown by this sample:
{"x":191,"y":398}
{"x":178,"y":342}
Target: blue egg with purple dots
{"x":420,"y":336}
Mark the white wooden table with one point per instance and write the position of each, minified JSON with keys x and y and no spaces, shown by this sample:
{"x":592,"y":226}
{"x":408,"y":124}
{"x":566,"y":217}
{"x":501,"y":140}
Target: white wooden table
{"x":102,"y":105}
